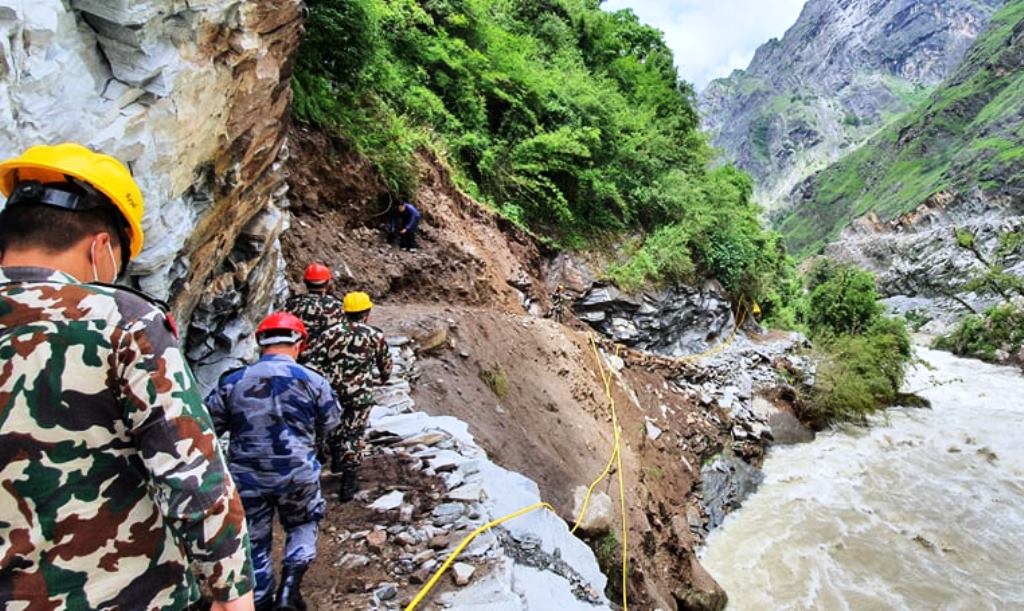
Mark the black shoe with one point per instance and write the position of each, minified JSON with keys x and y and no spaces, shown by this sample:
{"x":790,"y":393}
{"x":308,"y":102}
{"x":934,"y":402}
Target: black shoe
{"x":337,"y":464}
{"x":289,"y":593}
{"x":349,"y":484}
{"x":266,"y":604}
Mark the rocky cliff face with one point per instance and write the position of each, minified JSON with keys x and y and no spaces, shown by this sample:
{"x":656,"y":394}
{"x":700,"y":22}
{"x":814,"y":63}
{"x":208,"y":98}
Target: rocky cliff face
{"x":921,"y":270}
{"x":842,"y":71}
{"x":961,"y":147}
{"x":193,"y":96}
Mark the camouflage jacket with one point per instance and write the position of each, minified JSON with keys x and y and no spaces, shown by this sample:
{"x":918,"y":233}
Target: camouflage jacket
{"x":347,"y":354}
{"x":316,"y":311}
{"x":275,"y":410}
{"x":111,"y":479}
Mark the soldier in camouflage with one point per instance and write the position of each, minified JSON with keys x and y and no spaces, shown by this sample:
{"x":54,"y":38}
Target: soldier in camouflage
{"x":274,"y":411}
{"x":113,"y":490}
{"x":347,"y":353}
{"x":317,"y":308}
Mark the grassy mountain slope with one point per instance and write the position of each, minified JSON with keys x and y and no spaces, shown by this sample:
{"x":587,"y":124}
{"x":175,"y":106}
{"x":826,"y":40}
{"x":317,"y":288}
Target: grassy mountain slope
{"x":567,"y":119}
{"x":968,"y":135}
{"x":837,"y":76}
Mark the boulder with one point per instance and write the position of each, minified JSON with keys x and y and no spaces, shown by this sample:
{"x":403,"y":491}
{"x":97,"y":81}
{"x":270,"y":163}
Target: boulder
{"x":600,"y":515}
{"x":462,"y":573}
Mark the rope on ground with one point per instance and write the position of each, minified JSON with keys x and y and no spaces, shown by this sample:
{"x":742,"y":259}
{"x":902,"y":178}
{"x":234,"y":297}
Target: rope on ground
{"x":615,"y":458}
{"x":465,"y":542}
{"x":740,"y":319}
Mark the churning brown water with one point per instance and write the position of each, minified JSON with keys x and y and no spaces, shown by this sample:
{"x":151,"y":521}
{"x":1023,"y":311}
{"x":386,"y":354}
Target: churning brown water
{"x":924,"y":510}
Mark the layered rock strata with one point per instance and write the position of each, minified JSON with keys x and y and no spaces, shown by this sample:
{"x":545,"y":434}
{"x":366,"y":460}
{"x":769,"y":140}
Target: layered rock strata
{"x":194,"y":97}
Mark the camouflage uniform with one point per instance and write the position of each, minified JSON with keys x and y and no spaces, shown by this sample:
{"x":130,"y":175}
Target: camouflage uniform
{"x":275,"y":409}
{"x":316,"y":311}
{"x":111,"y":479}
{"x":347,"y":354}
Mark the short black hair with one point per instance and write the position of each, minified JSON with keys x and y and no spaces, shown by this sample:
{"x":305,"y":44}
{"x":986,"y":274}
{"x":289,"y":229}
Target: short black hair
{"x":357,"y":316}
{"x":54,"y":229}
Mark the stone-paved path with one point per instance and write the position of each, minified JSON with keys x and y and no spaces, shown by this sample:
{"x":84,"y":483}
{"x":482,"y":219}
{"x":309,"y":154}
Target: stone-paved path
{"x":532,"y":562}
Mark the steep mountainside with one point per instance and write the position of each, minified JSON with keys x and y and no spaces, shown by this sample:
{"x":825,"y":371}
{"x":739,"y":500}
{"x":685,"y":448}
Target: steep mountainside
{"x":962,"y":147}
{"x":840,"y":73}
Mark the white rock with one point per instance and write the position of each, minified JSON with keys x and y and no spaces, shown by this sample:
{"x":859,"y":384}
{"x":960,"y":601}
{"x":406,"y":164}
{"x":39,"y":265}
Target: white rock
{"x":600,"y":511}
{"x":653,"y":432}
{"x":462,"y":573}
{"x":388,"y":502}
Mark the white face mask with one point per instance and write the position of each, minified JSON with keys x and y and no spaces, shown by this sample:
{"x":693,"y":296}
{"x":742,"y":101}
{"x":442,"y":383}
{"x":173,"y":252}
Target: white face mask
{"x":113,"y":263}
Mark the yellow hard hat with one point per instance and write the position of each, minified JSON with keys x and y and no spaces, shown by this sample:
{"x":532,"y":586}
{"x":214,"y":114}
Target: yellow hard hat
{"x":47,"y":164}
{"x":357,"y":301}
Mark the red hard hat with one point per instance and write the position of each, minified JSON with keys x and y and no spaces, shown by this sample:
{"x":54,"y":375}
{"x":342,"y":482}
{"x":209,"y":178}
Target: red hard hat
{"x":282,"y":321}
{"x":317,"y":273}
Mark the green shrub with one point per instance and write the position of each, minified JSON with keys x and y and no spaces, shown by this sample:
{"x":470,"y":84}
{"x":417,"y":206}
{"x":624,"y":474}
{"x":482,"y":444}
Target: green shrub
{"x":859,"y":374}
{"x":844,"y":300}
{"x":496,"y":379}
{"x":861,"y":355}
{"x":1001,"y":327}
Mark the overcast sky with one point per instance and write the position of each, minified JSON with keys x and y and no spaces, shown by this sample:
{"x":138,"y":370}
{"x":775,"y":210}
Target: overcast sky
{"x":711,"y":38}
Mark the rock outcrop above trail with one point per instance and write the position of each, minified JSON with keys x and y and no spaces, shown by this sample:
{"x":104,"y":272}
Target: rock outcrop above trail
{"x":843,"y":70}
{"x":194,"y":98}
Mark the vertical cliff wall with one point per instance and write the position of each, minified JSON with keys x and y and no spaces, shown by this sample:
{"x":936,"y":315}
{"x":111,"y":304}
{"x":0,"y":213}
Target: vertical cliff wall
{"x":194,"y":97}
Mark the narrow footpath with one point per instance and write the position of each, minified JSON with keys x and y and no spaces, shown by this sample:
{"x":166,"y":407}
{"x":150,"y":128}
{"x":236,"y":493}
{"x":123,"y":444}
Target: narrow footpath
{"x":426,"y":485}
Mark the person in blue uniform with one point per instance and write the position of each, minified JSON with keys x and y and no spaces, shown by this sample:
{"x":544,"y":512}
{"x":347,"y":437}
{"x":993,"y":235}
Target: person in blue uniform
{"x":275,"y":411}
{"x":403,"y":226}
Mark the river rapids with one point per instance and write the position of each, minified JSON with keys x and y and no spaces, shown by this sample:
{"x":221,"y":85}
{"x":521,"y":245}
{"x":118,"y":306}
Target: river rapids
{"x":923,"y":510}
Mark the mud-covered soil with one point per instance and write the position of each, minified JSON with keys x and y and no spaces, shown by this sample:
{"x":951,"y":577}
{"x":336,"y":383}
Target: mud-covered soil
{"x":552,"y":422}
{"x":528,"y":387}
{"x":466,"y":254}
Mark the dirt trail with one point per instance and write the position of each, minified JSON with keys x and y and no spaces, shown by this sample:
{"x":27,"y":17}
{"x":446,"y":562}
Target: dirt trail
{"x":466,"y":254}
{"x":528,"y":387}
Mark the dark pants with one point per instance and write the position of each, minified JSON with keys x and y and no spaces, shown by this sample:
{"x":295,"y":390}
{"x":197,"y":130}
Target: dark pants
{"x":346,"y":442}
{"x":299,"y":510}
{"x":407,"y":240}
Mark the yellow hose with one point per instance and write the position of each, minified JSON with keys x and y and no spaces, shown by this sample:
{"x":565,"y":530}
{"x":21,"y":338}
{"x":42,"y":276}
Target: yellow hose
{"x":615,"y":458}
{"x":465,"y":542}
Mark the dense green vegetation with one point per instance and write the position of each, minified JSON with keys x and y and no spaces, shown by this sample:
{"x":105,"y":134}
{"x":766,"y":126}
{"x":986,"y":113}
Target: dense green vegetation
{"x":567,"y":119}
{"x":967,"y":134}
{"x":862,"y":356}
{"x":991,"y":336}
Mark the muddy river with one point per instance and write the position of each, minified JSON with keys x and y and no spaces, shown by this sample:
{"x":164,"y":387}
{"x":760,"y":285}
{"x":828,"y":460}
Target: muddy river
{"x":925,"y":510}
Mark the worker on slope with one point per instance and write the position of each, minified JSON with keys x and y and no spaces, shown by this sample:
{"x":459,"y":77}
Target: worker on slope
{"x":113,"y":489}
{"x":275,"y":409}
{"x":403,"y":226}
{"x":347,"y":353}
{"x":317,"y":307}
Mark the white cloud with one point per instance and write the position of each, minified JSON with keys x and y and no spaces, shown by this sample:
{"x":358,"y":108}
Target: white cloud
{"x":711,"y":38}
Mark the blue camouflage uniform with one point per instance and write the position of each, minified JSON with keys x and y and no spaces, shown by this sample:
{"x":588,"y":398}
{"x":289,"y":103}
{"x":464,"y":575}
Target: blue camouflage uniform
{"x":276,"y":410}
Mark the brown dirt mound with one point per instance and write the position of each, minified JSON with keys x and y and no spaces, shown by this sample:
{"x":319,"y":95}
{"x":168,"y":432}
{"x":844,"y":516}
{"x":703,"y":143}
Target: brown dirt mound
{"x":549,"y":419}
{"x":466,"y":253}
